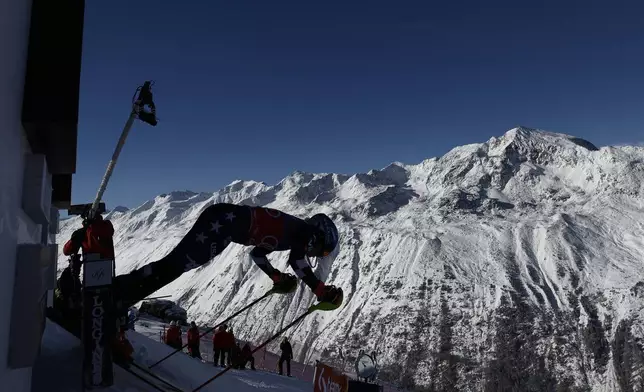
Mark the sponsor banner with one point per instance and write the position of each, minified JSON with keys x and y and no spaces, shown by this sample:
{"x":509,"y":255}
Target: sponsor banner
{"x":328,"y":379}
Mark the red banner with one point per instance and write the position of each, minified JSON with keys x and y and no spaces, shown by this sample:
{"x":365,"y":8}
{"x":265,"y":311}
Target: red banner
{"x":327,"y":379}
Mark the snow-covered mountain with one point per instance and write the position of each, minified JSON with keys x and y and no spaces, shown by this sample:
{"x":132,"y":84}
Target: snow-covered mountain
{"x":515,"y":264}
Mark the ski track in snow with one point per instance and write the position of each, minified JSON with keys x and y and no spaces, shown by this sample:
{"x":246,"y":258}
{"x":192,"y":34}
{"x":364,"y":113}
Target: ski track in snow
{"x":437,"y":255}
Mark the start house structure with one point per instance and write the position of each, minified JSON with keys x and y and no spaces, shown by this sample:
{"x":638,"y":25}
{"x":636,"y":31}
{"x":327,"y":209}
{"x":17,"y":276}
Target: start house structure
{"x":40,"y":62}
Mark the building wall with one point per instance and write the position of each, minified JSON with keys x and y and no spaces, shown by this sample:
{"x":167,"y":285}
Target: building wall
{"x":15,"y":226}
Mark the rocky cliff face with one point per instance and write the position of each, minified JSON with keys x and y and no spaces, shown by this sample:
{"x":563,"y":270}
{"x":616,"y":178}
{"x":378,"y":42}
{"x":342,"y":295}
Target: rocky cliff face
{"x":511,"y":265}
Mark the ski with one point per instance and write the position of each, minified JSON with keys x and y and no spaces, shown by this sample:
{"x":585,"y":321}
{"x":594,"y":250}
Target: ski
{"x":237,"y":313}
{"x":311,"y":309}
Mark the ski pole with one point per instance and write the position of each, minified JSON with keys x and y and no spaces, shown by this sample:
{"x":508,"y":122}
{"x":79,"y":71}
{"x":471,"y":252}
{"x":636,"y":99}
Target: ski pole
{"x":311,"y":309}
{"x":162,"y":296}
{"x":269,"y":292}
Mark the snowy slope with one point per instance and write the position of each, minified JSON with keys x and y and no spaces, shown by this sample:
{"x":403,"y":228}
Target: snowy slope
{"x":189,"y":373}
{"x":514,"y":262}
{"x":60,"y":363}
{"x":59,"y":366}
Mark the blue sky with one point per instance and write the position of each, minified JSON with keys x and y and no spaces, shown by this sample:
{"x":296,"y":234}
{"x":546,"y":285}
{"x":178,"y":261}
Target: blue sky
{"x":258,"y":89}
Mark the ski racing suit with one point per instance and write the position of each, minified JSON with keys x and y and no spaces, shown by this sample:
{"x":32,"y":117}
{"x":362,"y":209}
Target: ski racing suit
{"x":264,"y":228}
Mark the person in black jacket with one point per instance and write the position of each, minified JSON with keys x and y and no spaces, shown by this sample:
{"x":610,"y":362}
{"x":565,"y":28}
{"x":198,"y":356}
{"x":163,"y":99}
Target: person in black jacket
{"x":287,"y":355}
{"x":246,"y":357}
{"x":68,"y":295}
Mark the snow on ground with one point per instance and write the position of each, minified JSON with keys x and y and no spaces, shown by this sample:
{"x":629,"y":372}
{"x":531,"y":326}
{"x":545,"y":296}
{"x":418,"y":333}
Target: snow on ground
{"x":265,"y":361}
{"x":188,"y":373}
{"x":58,"y":369}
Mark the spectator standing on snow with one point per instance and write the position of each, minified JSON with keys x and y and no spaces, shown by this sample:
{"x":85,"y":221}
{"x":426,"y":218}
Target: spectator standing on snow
{"x":235,"y":356}
{"x":219,"y":346}
{"x":287,"y":355}
{"x":167,"y":334}
{"x":230,"y":345}
{"x":122,"y":349}
{"x":194,"y":341}
{"x":246,"y":357}
{"x":173,"y":336}
{"x":68,"y":296}
{"x":132,"y":316}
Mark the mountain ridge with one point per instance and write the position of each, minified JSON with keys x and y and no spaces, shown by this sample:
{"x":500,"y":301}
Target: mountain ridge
{"x":523,"y":253}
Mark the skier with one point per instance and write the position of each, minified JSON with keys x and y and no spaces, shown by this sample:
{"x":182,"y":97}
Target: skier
{"x":266,"y":229}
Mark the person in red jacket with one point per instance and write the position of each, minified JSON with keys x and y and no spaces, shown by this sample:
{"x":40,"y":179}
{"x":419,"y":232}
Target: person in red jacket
{"x":123,"y":349}
{"x":94,"y":236}
{"x":219,"y":344}
{"x":173,"y":336}
{"x":193,"y":341}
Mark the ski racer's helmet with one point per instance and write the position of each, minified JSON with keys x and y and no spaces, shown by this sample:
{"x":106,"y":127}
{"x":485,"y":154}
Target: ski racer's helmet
{"x":327,"y":237}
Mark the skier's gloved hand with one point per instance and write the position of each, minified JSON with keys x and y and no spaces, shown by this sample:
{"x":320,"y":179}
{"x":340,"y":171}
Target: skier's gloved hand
{"x":330,"y":297}
{"x":284,"y":283}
